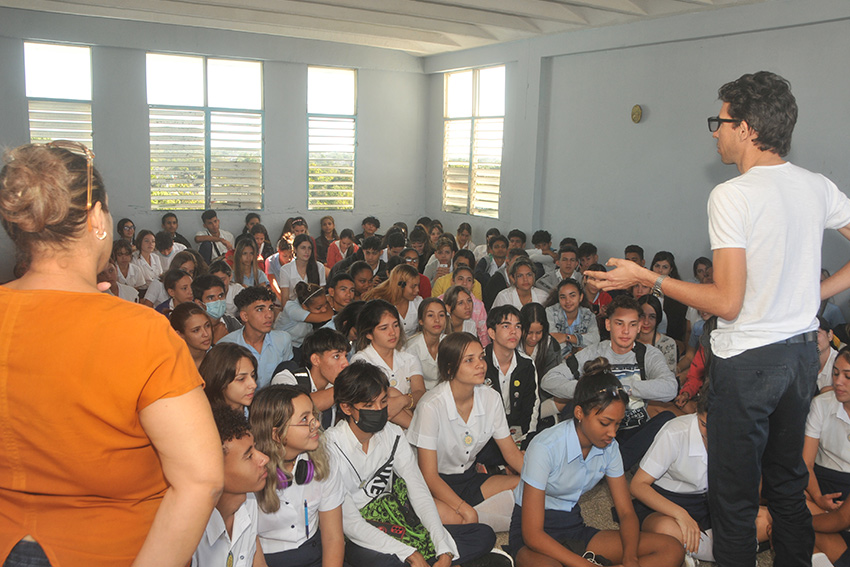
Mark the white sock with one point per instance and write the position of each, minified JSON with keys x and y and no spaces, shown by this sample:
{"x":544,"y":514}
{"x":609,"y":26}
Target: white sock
{"x":496,"y":511}
{"x":706,"y":547}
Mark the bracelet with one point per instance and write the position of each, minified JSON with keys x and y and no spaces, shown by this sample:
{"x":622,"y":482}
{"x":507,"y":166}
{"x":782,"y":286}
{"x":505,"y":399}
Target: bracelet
{"x":457,"y":510}
{"x":656,"y":289}
{"x":410,"y":405}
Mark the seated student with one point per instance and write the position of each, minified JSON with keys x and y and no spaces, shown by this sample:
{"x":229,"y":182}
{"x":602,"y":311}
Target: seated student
{"x":340,"y":292}
{"x":300,"y":522}
{"x":209,"y":294}
{"x":402,"y":291}
{"x":464,"y":237}
{"x":327,"y":237}
{"x":597,"y":298}
{"x":542,"y":242}
{"x":522,"y":290}
{"x":126,"y":231}
{"x":826,"y":355}
{"x":110,"y":275}
{"x":222,"y":271}
{"x":324,"y":355}
{"x":482,"y":250}
{"x":650,"y":319}
{"x":363,"y":278}
{"x":379,"y":342}
{"x":567,"y":262}
{"x":453,"y":424}
{"x":458,"y":303}
{"x":587,"y":255}
{"x":571,"y":323}
{"x":213,"y":241}
{"x":143,"y":258}
{"x":424,"y":344}
{"x":516,"y":239}
{"x":435,"y":231}
{"x":500,"y":280}
{"x":269,"y":347}
{"x":419,"y":241}
{"x":411,"y":257}
{"x":156,"y":293}
{"x":441,"y":284}
{"x":166,"y":248}
{"x":462,"y":276}
{"x":634,"y":253}
{"x":304,"y":268}
{"x":664,"y":264}
{"x":394,"y":242}
{"x":640,"y":368}
{"x":246,"y":271}
{"x":566,"y":461}
{"x":341,"y":248}
{"x":440,"y":263}
{"x":261,"y":238}
{"x":194,"y":327}
{"x":274,"y":262}
{"x":367,"y":453}
{"x":231,"y":533}
{"x":178,"y":286}
{"x":370,"y":226}
{"x":536,"y":341}
{"x":128,"y":273}
{"x":370,"y":252}
{"x":512,"y":374}
{"x":169,"y":225}
{"x":307,"y":307}
{"x":230,"y":376}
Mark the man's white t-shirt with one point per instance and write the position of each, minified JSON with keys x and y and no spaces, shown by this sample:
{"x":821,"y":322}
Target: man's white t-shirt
{"x":777,"y":214}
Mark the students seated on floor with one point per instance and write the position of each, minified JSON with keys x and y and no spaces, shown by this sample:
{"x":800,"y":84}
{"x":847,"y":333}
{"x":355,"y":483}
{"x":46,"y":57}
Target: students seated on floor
{"x":378,"y":471}
{"x":110,"y":275}
{"x":370,"y":253}
{"x":537,"y":341}
{"x":567,"y":460}
{"x":128,"y":273}
{"x":379,"y":342}
{"x":497,"y":254}
{"x":156,"y":292}
{"x":178,"y":286}
{"x":394,"y":242}
{"x":463,"y":276}
{"x":501,"y":280}
{"x":402,"y":291}
{"x":440,"y":263}
{"x":640,"y":368}
{"x":424,"y":344}
{"x":247,"y":269}
{"x":148,"y":263}
{"x":482,"y":250}
{"x":166,"y":248}
{"x":340,"y":290}
{"x":213,"y":241}
{"x":419,"y":241}
{"x":542,"y":242}
{"x":193,"y":326}
{"x":169,"y":224}
{"x":230,"y":376}
{"x":209,"y":294}
{"x":324,"y":355}
{"x":452,"y":425}
{"x":458,"y":303}
{"x":300,"y":522}
{"x":230,"y":537}
{"x":269,"y":347}
{"x":567,"y":262}
{"x":522,"y":290}
{"x":572,"y":324}
{"x":222,"y":271}
{"x":304,"y":268}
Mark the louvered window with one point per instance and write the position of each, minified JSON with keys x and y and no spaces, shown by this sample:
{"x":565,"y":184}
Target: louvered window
{"x":206,"y":132}
{"x":332,"y":129}
{"x":473,"y":131}
{"x":58,"y":87}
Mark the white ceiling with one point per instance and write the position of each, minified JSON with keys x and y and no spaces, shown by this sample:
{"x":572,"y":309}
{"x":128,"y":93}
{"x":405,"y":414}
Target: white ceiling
{"x":418,"y":27}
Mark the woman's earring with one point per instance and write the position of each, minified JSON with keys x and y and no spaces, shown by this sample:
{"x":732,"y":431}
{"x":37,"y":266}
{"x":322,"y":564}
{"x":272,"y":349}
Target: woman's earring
{"x":100,"y":235}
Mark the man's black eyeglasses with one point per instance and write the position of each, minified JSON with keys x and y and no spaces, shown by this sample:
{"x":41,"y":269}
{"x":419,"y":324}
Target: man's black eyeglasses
{"x":715,"y":121}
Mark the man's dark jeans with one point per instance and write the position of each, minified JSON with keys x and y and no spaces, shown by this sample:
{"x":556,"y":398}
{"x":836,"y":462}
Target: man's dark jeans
{"x":758,"y":403}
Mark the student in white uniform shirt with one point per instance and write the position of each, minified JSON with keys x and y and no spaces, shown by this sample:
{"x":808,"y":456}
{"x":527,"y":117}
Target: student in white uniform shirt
{"x":459,"y":306}
{"x":424,"y":345}
{"x":230,"y":537}
{"x":453,"y":423}
{"x":166,"y":248}
{"x":324,"y":355}
{"x":300,"y":521}
{"x":128,"y":273}
{"x":522,"y":290}
{"x":379,"y":342}
{"x":401,"y":289}
{"x":156,"y":293}
{"x":826,"y":355}
{"x":304,"y":268}
{"x":148,"y":263}
{"x":221,"y":270}
{"x":372,"y":458}
{"x":308,"y":305}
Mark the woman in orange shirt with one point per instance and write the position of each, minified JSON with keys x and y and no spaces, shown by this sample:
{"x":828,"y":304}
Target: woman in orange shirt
{"x":110,"y":456}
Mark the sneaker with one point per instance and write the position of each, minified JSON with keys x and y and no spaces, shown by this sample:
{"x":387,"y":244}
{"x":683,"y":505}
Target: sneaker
{"x":495,"y":558}
{"x":596,"y":559}
{"x":690,"y":561}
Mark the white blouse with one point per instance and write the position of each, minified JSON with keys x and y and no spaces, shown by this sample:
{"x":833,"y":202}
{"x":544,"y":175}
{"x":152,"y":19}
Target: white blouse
{"x":417,"y":347}
{"x":150,"y":271}
{"x":405,"y":365}
{"x":289,"y":275}
{"x":410,"y":322}
{"x":510,"y":296}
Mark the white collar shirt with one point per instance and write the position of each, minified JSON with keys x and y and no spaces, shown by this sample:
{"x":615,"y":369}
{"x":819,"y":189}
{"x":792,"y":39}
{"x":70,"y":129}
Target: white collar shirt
{"x":677,"y":458}
{"x":417,"y":347}
{"x":216,"y":544}
{"x":405,"y":365}
{"x":825,"y":375}
{"x":829,"y":423}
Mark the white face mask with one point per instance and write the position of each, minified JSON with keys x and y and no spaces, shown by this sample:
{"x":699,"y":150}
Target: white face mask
{"x":216,"y":309}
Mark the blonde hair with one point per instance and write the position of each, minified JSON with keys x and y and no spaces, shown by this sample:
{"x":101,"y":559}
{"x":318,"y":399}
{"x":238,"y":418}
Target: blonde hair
{"x":392,"y":289}
{"x":271,"y":413}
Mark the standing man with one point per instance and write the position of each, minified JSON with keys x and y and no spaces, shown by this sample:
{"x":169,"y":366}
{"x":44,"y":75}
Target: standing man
{"x":766,"y":230}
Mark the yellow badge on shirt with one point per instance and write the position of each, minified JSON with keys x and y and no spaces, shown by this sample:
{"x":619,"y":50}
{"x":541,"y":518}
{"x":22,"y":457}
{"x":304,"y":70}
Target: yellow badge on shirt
{"x":467,"y":440}
{"x":516,"y":383}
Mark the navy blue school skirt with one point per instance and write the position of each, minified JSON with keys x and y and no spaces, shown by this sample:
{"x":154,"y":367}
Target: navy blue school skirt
{"x":832,"y":481}
{"x":696,"y":505}
{"x":467,"y":485}
{"x":558,"y":524}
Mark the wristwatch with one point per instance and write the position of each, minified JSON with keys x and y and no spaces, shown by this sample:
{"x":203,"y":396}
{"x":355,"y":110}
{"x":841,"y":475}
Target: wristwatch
{"x":656,"y":289}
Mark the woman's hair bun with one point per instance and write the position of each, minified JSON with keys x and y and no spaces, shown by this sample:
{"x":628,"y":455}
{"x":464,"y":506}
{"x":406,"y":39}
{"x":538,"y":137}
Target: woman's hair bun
{"x":598,"y":365}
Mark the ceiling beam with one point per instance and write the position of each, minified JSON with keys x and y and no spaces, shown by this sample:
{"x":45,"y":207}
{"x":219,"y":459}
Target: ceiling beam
{"x":619,"y":6}
{"x":529,"y":8}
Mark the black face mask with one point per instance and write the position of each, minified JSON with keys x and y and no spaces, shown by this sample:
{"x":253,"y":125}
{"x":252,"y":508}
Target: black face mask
{"x":372,"y":421}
